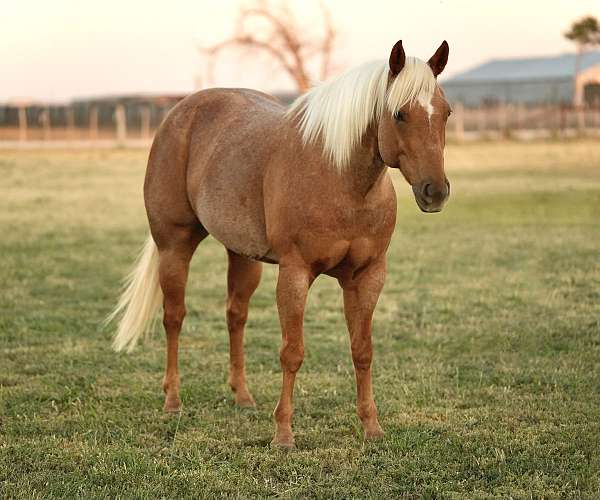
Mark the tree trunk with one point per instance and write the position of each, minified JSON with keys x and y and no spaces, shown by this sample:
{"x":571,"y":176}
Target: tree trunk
{"x":576,"y":75}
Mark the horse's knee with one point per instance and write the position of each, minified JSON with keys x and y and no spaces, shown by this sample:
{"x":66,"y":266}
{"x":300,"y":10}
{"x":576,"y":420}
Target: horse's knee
{"x":291,"y":357}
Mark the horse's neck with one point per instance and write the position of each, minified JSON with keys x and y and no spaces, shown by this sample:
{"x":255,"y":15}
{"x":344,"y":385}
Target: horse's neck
{"x":365,"y":167}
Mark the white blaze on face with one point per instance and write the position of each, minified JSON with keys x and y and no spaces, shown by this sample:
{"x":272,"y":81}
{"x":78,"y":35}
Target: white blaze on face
{"x":427,"y":106}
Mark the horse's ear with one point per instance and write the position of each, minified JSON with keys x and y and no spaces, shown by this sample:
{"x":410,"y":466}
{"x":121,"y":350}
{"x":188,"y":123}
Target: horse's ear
{"x":397,"y":58}
{"x":439,"y":59}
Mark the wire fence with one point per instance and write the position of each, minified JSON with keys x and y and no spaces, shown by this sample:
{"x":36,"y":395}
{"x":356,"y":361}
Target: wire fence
{"x":109,"y":120}
{"x":136,"y":120}
{"x":505,"y":121}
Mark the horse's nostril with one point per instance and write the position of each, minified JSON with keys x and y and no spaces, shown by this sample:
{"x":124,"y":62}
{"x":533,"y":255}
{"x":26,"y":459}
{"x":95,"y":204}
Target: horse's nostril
{"x":435,"y":192}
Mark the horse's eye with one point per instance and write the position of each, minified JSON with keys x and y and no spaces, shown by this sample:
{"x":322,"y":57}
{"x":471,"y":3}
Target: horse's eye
{"x":449,"y":112}
{"x":399,"y":116}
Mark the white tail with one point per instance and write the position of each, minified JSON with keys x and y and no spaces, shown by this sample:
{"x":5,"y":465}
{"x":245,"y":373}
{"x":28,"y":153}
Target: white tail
{"x":140,"y":300}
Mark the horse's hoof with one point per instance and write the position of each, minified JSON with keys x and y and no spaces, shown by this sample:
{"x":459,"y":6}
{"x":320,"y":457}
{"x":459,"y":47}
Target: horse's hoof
{"x":283,"y":442}
{"x":374,"y":434}
{"x":245,"y":401}
{"x":172,"y":405}
{"x":172,"y":409}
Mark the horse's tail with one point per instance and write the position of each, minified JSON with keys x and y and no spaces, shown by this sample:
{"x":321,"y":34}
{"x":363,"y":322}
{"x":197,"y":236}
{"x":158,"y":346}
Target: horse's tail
{"x":140,"y":300}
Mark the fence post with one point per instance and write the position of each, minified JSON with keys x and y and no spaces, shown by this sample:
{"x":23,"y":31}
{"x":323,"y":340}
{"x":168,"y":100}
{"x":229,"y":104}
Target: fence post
{"x":22,"y":122}
{"x":580,"y":111}
{"x":518,"y":116}
{"x":46,"y":124}
{"x":481,"y":121}
{"x":145,"y":128}
{"x":70,"y":123}
{"x":94,"y":123}
{"x":563,"y":119}
{"x":459,"y":121}
{"x":503,"y":120}
{"x":551,"y":120}
{"x":120,"y":119}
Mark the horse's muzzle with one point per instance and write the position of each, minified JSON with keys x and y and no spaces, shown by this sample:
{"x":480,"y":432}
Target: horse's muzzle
{"x":431,"y":196}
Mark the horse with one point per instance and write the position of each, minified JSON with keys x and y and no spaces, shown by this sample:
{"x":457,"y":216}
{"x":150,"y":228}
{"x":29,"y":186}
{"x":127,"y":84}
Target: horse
{"x":305,"y":187}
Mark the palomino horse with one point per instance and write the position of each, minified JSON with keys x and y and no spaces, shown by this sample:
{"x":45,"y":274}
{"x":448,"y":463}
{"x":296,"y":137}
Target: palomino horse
{"x":306,"y":188}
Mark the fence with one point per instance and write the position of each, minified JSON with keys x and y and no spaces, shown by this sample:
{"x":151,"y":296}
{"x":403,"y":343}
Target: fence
{"x":109,"y":120}
{"x":523,"y":122}
{"x":133,"y":119}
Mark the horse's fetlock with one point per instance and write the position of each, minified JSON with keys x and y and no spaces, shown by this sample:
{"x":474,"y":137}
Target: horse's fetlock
{"x":282,"y":414}
{"x":366,"y":411}
{"x":170,"y":385}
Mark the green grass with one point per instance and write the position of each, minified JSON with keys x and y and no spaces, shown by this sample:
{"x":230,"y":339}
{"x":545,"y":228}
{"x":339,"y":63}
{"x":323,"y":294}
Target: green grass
{"x":487,"y":345}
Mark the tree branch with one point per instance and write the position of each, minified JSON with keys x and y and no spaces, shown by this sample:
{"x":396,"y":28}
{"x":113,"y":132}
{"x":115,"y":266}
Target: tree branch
{"x":284,"y":43}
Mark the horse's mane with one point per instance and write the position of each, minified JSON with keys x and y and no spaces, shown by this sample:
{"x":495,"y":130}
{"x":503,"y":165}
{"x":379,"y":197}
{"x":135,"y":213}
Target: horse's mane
{"x":340,"y":111}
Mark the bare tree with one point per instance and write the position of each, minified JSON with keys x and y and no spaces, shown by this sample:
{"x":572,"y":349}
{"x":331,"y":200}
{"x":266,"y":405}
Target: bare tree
{"x":274,"y":31}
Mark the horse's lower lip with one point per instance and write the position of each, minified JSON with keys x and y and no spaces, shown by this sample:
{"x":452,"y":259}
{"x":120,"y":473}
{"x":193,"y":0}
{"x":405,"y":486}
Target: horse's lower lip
{"x":425,"y":209}
{"x":430,"y":210}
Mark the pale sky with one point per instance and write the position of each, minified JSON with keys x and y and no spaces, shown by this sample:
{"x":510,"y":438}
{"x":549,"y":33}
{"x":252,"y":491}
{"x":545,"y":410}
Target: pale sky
{"x":60,"y":49}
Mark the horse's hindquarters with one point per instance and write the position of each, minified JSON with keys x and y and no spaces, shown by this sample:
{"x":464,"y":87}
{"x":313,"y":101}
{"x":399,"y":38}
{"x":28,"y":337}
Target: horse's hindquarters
{"x":231,"y":143}
{"x":235,"y":217}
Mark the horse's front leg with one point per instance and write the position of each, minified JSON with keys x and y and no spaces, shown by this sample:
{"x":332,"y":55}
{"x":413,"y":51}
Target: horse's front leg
{"x":361,"y":293}
{"x":292,"y":289}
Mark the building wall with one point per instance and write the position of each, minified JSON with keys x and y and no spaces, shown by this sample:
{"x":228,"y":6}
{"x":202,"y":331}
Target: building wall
{"x":588,"y":77}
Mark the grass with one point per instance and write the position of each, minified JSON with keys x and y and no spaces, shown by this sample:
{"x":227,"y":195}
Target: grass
{"x":487,"y":345}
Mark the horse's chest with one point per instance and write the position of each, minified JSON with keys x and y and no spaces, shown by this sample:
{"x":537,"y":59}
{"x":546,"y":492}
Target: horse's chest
{"x":345,"y":235}
{"x":351,"y":221}
{"x":364,"y":220}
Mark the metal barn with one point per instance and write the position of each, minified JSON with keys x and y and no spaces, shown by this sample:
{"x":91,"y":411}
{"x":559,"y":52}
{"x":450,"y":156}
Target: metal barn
{"x":532,"y":80}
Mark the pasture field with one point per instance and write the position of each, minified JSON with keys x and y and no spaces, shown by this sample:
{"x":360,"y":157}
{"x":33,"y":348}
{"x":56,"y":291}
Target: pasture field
{"x":487,"y":345}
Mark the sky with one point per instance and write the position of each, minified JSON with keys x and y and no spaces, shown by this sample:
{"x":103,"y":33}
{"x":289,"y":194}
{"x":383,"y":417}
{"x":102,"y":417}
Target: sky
{"x":56,"y":50}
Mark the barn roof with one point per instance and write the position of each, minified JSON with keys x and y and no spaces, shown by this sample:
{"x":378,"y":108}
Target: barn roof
{"x":530,"y":68}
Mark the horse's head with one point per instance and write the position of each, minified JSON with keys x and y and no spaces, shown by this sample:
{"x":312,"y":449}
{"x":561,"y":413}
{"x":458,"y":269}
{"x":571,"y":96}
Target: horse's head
{"x":412,"y":137}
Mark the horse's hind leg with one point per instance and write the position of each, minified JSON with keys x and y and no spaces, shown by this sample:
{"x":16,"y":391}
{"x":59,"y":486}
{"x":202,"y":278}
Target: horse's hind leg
{"x":243,"y":277}
{"x":175,"y":252}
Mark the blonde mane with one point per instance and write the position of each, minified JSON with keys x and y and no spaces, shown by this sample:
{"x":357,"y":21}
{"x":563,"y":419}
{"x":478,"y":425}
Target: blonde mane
{"x":340,"y":111}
